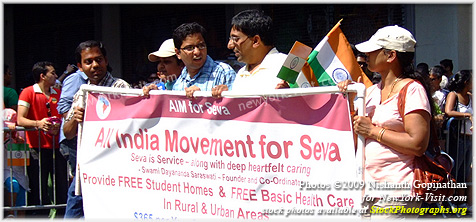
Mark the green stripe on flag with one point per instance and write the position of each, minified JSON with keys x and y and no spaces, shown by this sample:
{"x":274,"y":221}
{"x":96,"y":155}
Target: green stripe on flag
{"x":323,"y":79}
{"x":17,"y":147}
{"x":288,"y":74}
{"x":291,"y":68}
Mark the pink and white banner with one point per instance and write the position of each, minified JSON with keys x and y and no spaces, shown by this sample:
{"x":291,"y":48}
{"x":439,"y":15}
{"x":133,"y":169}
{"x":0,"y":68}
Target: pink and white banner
{"x":257,"y":158}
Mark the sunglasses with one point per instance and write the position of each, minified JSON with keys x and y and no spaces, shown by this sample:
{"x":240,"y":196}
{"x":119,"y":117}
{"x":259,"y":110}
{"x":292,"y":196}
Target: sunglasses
{"x":49,"y":109}
{"x":362,"y":63}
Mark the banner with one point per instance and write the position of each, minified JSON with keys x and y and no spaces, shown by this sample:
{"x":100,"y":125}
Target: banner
{"x":168,"y":157}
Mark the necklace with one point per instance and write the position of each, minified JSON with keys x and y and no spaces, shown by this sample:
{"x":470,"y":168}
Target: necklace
{"x":393,"y":85}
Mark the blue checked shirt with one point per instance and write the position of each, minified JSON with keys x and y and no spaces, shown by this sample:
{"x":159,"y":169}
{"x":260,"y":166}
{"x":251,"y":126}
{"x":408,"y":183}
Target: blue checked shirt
{"x":211,"y":74}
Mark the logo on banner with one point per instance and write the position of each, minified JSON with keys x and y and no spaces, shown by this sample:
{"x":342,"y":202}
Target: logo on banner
{"x":103,"y":107}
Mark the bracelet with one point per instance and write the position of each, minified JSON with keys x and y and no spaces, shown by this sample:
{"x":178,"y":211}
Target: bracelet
{"x":380,"y":134}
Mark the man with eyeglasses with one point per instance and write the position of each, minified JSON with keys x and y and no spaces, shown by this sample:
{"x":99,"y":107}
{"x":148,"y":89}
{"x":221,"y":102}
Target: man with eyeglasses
{"x":252,"y":41}
{"x":201,"y":72}
{"x":36,"y":104}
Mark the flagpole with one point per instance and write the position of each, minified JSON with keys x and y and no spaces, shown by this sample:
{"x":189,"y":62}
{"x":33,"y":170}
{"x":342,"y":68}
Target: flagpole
{"x":335,"y":27}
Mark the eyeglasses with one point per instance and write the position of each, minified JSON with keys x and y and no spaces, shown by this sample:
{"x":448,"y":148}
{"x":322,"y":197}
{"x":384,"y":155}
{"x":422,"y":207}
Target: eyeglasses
{"x":433,"y":79}
{"x":362,"y":63}
{"x":190,"y":48}
{"x":235,"y":39}
{"x":48,"y":107}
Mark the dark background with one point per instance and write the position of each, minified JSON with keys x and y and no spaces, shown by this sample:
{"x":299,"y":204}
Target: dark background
{"x":52,"y":31}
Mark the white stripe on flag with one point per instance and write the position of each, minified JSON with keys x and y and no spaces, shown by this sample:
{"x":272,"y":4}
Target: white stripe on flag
{"x":294,"y":62}
{"x":331,"y":63}
{"x":302,"y":81}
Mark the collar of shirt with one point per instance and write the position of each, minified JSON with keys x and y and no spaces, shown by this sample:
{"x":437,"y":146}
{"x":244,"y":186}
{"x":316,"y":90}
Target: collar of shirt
{"x":106,"y":81}
{"x":266,"y":63}
{"x":206,"y":68}
{"x":37,"y":89}
{"x":83,"y":75}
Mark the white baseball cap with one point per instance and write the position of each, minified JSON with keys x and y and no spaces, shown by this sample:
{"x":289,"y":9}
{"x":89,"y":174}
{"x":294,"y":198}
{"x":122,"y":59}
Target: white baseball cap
{"x":389,"y":37}
{"x":167,"y":49}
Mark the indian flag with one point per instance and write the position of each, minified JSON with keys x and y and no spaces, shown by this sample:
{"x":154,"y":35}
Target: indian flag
{"x":294,"y":62}
{"x":18,"y":154}
{"x":333,"y":61}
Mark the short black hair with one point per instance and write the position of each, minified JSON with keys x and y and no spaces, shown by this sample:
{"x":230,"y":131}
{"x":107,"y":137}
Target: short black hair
{"x":39,"y":68}
{"x":423,"y":68}
{"x":255,"y":22}
{"x":438,"y":71}
{"x":447,"y":63}
{"x":186,"y":29}
{"x":88,"y":44}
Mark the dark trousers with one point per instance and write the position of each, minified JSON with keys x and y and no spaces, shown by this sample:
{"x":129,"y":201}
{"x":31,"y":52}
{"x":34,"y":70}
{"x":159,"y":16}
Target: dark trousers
{"x":60,"y":182}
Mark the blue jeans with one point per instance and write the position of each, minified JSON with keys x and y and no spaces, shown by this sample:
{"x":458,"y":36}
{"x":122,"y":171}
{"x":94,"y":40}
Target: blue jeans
{"x":74,"y":205}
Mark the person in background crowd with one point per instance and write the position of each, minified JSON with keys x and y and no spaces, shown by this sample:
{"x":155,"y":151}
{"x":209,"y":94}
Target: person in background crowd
{"x":362,"y":60}
{"x":439,"y":94}
{"x":10,"y":96}
{"x":141,"y":82}
{"x":70,"y":69}
{"x":152,"y":77}
{"x":169,"y":67}
{"x":92,"y":60}
{"x":252,"y":40}
{"x":37,"y":108}
{"x":392,"y":141}
{"x":447,"y":64}
{"x":439,"y":101}
{"x":71,"y":85}
{"x":460,"y":104}
{"x":15,"y":182}
{"x":423,"y":68}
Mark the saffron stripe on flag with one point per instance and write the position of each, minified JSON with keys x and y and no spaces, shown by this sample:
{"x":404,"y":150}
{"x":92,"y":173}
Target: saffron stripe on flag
{"x":333,"y":60}
{"x":339,"y":44}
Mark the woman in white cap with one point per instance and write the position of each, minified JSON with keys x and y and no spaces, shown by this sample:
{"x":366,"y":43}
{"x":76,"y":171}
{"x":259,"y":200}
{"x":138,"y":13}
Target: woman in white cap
{"x":391,"y":140}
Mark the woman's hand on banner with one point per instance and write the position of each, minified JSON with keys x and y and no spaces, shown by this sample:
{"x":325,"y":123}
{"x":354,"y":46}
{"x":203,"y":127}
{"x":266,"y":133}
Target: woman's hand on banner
{"x":343,"y":85}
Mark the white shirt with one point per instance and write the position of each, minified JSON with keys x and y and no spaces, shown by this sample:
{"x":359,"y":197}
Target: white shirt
{"x":444,"y":82}
{"x":265,"y":75}
{"x":466,"y":109}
